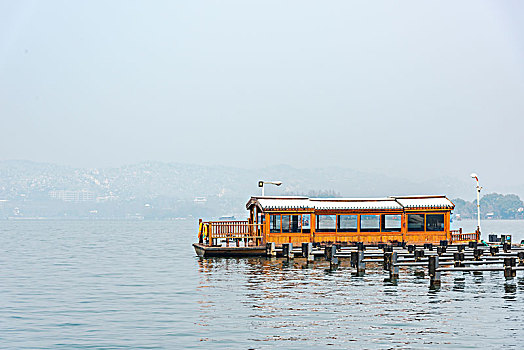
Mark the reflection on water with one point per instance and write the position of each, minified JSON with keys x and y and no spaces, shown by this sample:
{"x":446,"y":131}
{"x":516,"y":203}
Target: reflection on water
{"x":139,"y":285}
{"x":292,"y":304}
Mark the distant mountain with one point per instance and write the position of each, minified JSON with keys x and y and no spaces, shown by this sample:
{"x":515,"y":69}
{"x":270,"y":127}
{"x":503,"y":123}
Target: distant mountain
{"x":220,"y":189}
{"x":151,"y":179}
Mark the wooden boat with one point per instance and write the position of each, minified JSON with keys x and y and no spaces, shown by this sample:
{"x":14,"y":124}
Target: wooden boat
{"x":325,"y":221}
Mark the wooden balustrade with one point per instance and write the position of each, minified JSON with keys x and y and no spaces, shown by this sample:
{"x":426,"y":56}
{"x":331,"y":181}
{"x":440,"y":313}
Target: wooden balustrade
{"x":458,"y":235}
{"x":237,"y":231}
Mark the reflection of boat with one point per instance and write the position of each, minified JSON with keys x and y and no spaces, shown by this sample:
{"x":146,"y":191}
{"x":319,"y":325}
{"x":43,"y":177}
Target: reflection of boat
{"x":399,"y":219}
{"x":227,"y":218}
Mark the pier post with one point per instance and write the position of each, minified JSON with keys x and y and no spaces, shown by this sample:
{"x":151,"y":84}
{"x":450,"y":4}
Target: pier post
{"x":441,"y":250}
{"x":428,"y":246}
{"x":520,"y":255}
{"x":329,"y":254}
{"x":461,"y":247}
{"x":477,"y":253}
{"x":506,"y":247}
{"x":270,"y":250}
{"x":353,"y":259}
{"x":393,"y":267}
{"x":334,"y":260}
{"x":361,"y":265}
{"x":444,"y":243}
{"x":509,"y":264}
{"x":434,"y":275}
{"x":493,"y":250}
{"x":473,"y":245}
{"x":287,"y":250}
{"x":418,"y":254}
{"x":458,"y":258}
{"x":387,"y":260}
{"x":307,"y":251}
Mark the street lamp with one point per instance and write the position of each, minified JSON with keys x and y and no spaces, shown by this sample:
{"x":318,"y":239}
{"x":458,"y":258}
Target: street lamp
{"x":262,"y":183}
{"x":475,"y":176}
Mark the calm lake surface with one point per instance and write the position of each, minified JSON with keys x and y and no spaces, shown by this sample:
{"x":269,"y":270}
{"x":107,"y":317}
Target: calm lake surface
{"x":113,"y":285}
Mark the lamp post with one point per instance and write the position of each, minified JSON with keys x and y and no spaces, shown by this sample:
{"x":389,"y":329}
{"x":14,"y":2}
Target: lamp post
{"x":475,"y":176}
{"x":262,"y":183}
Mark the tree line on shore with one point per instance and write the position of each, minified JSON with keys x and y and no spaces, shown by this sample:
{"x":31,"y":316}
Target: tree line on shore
{"x":492,"y":206}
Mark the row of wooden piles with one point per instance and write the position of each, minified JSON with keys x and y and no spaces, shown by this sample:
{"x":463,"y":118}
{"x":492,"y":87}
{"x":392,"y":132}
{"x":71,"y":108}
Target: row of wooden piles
{"x":435,"y":258}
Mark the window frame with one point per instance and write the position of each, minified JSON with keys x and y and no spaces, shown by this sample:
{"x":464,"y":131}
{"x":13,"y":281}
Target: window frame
{"x":370,"y":229}
{"x":423,"y":215}
{"x":273,"y":218}
{"x":339,"y":229}
{"x":317,"y":222}
{"x":443,"y":222}
{"x":383,"y":223}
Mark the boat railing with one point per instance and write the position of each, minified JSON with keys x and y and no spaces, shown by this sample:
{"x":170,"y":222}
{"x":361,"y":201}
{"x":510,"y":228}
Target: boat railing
{"x":459,"y":236}
{"x":215,"y":232}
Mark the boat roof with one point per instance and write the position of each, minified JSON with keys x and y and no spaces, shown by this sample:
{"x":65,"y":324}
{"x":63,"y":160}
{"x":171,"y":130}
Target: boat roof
{"x":387,"y":203}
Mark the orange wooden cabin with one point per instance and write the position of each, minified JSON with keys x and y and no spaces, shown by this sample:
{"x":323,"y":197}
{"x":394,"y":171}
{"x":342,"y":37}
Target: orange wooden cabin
{"x":410,"y":219}
{"x":398,"y":219}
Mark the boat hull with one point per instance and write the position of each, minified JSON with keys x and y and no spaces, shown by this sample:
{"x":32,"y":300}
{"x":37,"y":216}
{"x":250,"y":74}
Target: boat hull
{"x":205,"y":251}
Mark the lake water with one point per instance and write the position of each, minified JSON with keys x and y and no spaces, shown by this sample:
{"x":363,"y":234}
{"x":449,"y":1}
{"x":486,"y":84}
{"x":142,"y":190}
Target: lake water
{"x":114,"y":285}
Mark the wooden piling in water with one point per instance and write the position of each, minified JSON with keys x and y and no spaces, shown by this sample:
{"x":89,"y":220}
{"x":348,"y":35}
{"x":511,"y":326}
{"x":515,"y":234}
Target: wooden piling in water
{"x":287,"y":251}
{"x":509,"y":264}
{"x":458,"y":259}
{"x":394,"y":269}
{"x":307,"y":251}
{"x":477,"y":253}
{"x":387,"y":260}
{"x":361,"y":265}
{"x":461,"y":257}
{"x":520,"y":256}
{"x":329,"y":255}
{"x":270,"y":250}
{"x":434,"y":274}
{"x":418,"y":254}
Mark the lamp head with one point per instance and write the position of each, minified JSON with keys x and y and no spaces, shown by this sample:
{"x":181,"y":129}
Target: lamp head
{"x":475,"y":176}
{"x":278,"y":183}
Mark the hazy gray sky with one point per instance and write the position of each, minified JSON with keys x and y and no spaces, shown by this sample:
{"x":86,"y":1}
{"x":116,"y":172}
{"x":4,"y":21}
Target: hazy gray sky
{"x":409,"y":88}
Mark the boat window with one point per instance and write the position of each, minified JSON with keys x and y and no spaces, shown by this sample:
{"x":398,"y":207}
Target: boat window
{"x":347,"y":223}
{"x":291,"y":223}
{"x":369,"y":223}
{"x":326,"y":223}
{"x":391,"y":223}
{"x":306,"y":223}
{"x":416,"y":222}
{"x":285,"y":223}
{"x":274,"y":223}
{"x":435,"y":222}
{"x":294,"y":223}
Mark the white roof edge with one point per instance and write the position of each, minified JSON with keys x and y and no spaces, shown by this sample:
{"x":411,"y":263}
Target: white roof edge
{"x":352,"y":199}
{"x":420,"y":196}
{"x":392,"y":202}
